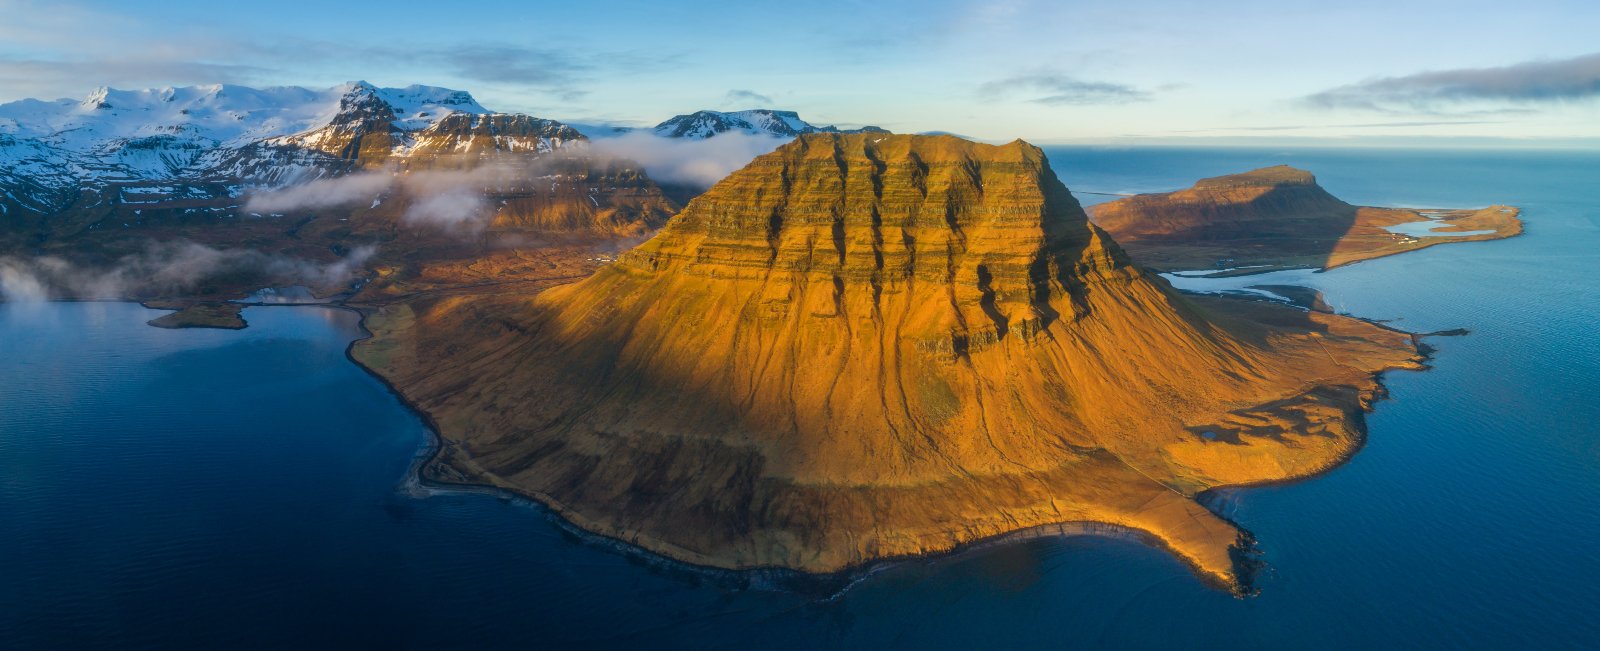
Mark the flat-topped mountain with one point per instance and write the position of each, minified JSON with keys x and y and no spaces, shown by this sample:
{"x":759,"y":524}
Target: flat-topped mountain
{"x":1229,"y":207}
{"x":1277,"y":216}
{"x":867,"y":346}
{"x":782,"y":124}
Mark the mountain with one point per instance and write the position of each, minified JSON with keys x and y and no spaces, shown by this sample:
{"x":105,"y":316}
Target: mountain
{"x":782,"y":124}
{"x":1278,"y":216}
{"x":245,"y":137}
{"x":409,"y":128}
{"x":862,"y":347}
{"x":1227,"y":207}
{"x":94,"y":178}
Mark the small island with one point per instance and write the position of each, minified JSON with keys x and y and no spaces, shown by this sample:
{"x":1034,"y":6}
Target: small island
{"x":1279,"y":218}
{"x":223,"y":315}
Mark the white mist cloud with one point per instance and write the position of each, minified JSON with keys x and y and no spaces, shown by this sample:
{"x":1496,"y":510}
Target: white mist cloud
{"x":460,"y":208}
{"x":322,"y":193}
{"x":18,"y":283}
{"x":452,"y":200}
{"x":165,"y":268}
{"x":699,"y":163}
{"x":456,"y":201}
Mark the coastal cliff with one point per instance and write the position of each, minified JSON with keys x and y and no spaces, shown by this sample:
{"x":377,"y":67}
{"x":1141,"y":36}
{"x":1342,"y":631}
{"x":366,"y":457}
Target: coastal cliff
{"x":863,"y":347}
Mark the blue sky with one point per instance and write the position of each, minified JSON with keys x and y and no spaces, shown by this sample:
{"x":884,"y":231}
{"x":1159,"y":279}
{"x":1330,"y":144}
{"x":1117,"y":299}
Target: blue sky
{"x":1128,"y":71}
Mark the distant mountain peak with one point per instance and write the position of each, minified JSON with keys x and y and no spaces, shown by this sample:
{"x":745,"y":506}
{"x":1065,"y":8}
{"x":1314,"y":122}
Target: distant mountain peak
{"x":769,"y":122}
{"x":1276,"y":175}
{"x":98,"y":98}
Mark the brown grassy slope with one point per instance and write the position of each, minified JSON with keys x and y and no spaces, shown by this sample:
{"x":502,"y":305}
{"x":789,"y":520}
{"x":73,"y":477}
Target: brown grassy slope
{"x":867,"y":346}
{"x":1275,"y":216}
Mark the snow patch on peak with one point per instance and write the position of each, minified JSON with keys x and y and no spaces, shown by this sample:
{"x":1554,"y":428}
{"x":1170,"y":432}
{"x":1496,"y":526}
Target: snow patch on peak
{"x":784,"y":124}
{"x":417,"y":106}
{"x":97,"y":99}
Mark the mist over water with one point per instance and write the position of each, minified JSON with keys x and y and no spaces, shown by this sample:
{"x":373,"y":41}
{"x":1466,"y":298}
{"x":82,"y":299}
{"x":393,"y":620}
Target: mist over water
{"x":245,"y":488}
{"x":164,"y":268}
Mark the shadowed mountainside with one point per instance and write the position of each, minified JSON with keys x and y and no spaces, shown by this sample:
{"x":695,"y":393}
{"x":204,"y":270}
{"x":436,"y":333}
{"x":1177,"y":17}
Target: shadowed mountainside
{"x":862,"y":347}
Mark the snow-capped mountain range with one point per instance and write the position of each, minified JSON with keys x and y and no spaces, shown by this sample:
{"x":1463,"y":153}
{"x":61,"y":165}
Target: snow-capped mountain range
{"x":783,"y":124}
{"x":214,"y":143}
{"x":417,"y":176}
{"x":234,"y":136}
{"x":706,"y":124}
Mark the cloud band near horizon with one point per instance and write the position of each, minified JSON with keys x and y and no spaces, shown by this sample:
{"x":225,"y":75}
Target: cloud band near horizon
{"x":1555,"y":80}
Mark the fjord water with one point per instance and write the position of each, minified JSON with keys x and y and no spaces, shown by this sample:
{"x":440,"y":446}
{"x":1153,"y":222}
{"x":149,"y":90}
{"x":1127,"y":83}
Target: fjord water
{"x":249,"y":488}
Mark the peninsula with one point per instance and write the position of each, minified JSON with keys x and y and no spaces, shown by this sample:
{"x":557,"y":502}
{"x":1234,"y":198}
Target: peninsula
{"x":1278,"y":217}
{"x":869,"y":346}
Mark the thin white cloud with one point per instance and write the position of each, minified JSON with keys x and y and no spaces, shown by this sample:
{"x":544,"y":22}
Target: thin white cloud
{"x":1547,"y":81}
{"x":742,"y":96}
{"x":1056,"y":89}
{"x":64,"y":50}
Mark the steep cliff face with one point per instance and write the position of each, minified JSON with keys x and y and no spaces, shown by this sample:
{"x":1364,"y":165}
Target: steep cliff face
{"x":1275,"y":216}
{"x":867,"y":346}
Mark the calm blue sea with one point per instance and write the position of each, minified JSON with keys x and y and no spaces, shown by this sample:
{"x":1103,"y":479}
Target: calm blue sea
{"x":246,"y":489}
